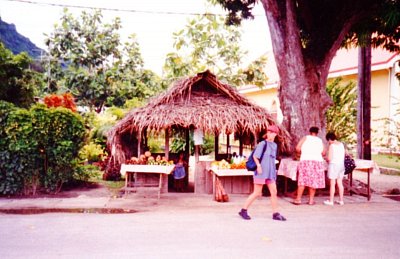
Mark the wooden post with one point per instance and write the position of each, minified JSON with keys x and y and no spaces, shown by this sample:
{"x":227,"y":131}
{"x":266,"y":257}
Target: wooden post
{"x":196,"y":153}
{"x":145,"y":138}
{"x":139,"y":147}
{"x":187,"y":156}
{"x":228,"y":150}
{"x":364,"y":103}
{"x":166,"y":143}
{"x":216,"y":145}
{"x":187,"y":146}
{"x":203,"y":178}
{"x":241,"y":145}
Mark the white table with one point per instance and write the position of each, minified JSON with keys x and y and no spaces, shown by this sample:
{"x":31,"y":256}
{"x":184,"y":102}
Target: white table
{"x":130,"y":171}
{"x":368,"y":166}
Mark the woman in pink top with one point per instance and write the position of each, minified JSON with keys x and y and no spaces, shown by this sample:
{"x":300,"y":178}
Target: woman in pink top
{"x":311,"y":166}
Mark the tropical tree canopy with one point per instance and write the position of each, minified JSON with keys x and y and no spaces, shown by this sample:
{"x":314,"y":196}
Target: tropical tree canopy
{"x":305,"y":37}
{"x":88,"y":59}
{"x":18,"y":84}
{"x":206,"y":43}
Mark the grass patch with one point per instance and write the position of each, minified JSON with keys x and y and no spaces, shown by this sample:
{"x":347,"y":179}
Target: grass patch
{"x":109,"y":184}
{"x":389,"y":161}
{"x":113,"y":184}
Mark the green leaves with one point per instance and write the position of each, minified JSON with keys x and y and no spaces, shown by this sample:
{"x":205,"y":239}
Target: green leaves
{"x":88,"y":59}
{"x":207,"y":43}
{"x":341,"y":117}
{"x":37,"y":147}
{"x":18,"y":84}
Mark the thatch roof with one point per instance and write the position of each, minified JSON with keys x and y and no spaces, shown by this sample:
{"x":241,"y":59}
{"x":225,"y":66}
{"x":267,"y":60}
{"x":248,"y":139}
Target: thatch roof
{"x":203,"y":102}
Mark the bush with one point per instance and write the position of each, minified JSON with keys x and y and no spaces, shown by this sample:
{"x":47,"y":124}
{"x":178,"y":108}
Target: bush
{"x":86,"y":172}
{"x":91,"y":153}
{"x":18,"y":156}
{"x":38,"y":148}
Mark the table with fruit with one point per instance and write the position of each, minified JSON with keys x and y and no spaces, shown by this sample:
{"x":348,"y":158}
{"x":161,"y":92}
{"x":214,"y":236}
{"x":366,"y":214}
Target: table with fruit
{"x":235,"y":168}
{"x":146,"y":163}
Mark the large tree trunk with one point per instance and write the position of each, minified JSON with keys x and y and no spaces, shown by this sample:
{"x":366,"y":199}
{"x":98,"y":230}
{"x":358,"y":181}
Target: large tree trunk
{"x":304,"y":102}
{"x":302,"y":92}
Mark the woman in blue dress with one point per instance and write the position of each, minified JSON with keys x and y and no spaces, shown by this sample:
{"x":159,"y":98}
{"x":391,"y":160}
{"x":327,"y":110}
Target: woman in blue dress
{"x":180,"y":172}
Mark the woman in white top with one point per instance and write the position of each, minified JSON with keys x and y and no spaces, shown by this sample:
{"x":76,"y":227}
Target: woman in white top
{"x":311,"y":172}
{"x":336,"y":153}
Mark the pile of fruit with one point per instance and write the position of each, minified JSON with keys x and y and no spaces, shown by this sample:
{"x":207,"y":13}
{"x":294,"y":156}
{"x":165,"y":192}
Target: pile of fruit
{"x":148,"y":159}
{"x":240,"y":165}
{"x":223,"y":164}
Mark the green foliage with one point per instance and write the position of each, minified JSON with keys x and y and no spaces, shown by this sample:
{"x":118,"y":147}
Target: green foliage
{"x":178,"y":144}
{"x":387,"y":160}
{"x":391,"y":129}
{"x":91,"y":152}
{"x":38,"y":148}
{"x":382,"y":24}
{"x":100,"y":123}
{"x":88,"y":59}
{"x":208,"y":145}
{"x":341,"y":117}
{"x":155,"y":144}
{"x":18,"y":159}
{"x":18,"y":84}
{"x":86,"y":173}
{"x":207,"y":43}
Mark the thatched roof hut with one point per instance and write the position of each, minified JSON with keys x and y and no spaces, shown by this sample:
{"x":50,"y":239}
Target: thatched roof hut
{"x":196,"y":102}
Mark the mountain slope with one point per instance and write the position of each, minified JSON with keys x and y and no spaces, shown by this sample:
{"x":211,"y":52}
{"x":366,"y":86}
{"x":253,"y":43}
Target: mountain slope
{"x":16,"y":42}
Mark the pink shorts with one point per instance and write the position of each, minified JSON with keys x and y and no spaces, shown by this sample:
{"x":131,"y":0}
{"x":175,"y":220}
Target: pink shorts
{"x":263,"y":181}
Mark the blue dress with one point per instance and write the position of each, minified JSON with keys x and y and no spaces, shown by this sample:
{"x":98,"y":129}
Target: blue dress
{"x":268,"y":161}
{"x":179,"y":171}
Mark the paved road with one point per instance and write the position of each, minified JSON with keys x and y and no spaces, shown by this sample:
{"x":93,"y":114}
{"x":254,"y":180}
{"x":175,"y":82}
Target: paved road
{"x":194,"y":226}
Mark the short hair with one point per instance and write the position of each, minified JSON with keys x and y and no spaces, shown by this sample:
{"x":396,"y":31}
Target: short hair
{"x":330,"y":136}
{"x":314,"y":130}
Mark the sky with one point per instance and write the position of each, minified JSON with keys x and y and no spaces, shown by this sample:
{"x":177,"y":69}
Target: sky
{"x":153,"y":21}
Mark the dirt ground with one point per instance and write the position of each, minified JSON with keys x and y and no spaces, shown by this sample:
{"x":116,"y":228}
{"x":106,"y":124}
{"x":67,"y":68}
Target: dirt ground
{"x":380,"y":184}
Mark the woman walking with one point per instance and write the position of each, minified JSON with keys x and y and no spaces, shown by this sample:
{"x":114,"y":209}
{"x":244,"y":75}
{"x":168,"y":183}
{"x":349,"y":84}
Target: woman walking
{"x":265,"y":173}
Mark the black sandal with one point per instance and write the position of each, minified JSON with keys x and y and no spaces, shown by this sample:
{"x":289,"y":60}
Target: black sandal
{"x":277,"y":216}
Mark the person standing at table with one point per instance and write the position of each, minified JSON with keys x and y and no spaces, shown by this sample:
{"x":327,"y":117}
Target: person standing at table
{"x":311,"y":166}
{"x":335,"y":157}
{"x":265,"y":174}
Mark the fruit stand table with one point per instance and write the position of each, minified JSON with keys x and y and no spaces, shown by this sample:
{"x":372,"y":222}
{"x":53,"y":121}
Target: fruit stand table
{"x":132,"y":171}
{"x":367,"y":166}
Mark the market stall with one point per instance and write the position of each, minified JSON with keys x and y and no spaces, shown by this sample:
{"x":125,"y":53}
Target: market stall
{"x":200,"y":104}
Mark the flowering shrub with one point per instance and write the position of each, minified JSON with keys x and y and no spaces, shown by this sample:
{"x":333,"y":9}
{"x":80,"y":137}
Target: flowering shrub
{"x":65,"y":100}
